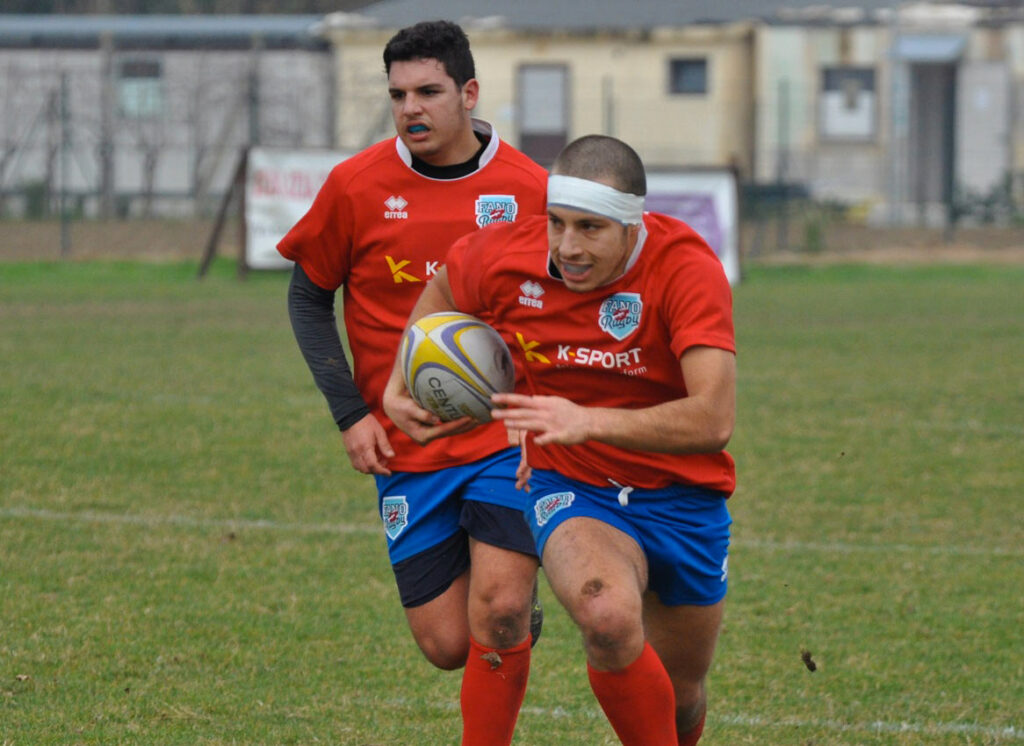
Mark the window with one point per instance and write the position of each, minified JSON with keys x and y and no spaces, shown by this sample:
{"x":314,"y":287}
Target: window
{"x":140,"y":89}
{"x":543,"y":98}
{"x":688,"y":75}
{"x":848,"y":103}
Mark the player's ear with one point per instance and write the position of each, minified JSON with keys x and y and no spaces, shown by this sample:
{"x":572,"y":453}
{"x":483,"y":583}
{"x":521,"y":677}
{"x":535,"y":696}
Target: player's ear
{"x":470,"y":93}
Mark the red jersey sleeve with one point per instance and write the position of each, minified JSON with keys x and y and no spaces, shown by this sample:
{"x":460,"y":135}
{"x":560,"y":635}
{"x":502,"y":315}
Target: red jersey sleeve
{"x":465,"y":264}
{"x":698,"y":300}
{"x":321,"y":240}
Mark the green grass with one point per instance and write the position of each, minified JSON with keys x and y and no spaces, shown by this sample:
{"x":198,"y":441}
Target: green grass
{"x":186,"y":558}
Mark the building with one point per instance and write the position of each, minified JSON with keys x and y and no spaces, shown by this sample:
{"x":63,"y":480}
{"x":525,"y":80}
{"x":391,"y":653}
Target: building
{"x":905,"y":112}
{"x":147,"y":114}
{"x":900,"y":110}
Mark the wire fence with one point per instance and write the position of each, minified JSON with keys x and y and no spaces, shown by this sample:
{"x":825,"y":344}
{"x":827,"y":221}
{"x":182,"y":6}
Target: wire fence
{"x":142,"y":135}
{"x":132,"y":154}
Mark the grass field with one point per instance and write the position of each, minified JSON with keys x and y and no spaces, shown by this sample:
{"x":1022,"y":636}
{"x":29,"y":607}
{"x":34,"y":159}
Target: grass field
{"x":185,"y":557}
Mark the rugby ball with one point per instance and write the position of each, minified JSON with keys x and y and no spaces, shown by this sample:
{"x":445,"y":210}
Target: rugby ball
{"x":452,"y":363}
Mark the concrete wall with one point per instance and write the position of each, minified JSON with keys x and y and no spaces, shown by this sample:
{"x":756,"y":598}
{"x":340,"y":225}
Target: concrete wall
{"x":618,"y":85}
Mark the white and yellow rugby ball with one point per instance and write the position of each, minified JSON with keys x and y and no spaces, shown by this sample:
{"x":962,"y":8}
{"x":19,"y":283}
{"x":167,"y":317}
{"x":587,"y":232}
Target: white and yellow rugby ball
{"x":453,"y":362}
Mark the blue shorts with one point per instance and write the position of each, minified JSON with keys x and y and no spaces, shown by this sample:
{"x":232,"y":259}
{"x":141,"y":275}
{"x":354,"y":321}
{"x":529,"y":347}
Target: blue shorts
{"x":426,"y":516}
{"x":682,"y":530}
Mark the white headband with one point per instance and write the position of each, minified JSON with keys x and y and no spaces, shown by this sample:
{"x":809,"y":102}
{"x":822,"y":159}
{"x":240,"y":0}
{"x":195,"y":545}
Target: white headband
{"x":591,"y":196}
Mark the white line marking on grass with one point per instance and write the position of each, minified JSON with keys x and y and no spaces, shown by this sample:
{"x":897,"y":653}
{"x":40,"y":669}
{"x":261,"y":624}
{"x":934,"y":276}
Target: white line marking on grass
{"x":1010,"y":732}
{"x":846,"y":548}
{"x":89,"y":516}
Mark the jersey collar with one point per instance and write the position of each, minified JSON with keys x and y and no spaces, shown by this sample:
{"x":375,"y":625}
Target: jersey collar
{"x":479,"y":125}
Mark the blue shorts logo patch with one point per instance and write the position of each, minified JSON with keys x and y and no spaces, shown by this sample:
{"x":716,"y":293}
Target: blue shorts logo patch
{"x":548,"y":505}
{"x":395,"y":513}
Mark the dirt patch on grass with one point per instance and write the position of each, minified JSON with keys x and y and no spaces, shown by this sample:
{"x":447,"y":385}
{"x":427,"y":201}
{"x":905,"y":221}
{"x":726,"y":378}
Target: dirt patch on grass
{"x":852,"y":243}
{"x":147,"y":240}
{"x":900,"y":255}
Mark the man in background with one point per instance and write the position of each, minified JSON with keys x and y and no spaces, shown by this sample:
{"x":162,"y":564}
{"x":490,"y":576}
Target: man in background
{"x":463,"y":557}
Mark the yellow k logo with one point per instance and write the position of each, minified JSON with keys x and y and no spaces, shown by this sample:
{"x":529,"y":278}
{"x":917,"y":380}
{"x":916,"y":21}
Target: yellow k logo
{"x":528,"y":350}
{"x":397,"y":273}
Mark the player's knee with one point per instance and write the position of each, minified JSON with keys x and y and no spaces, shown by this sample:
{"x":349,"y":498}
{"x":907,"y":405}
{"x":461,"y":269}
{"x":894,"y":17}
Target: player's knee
{"x":606,"y":635}
{"x":605,"y":597}
{"x":447,"y":652}
{"x":608,"y":623}
{"x":508,"y":630}
{"x":448,"y":658}
{"x":504,"y":618}
{"x":690,"y":697}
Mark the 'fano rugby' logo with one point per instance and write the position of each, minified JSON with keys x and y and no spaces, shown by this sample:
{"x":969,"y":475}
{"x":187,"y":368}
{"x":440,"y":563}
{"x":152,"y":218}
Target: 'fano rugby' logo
{"x":549,"y":505}
{"x":496,"y":208}
{"x":395,"y":512}
{"x":620,"y":314}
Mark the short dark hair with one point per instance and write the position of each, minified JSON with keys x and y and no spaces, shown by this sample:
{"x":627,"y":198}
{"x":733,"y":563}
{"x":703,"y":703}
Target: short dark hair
{"x":443,"y":41}
{"x":601,"y":157}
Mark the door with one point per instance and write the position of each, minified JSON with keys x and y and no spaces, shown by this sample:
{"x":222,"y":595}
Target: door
{"x":543,"y":111}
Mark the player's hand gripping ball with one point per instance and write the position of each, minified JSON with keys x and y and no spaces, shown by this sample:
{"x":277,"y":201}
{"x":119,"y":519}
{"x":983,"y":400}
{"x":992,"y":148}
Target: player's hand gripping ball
{"x":452,"y":363}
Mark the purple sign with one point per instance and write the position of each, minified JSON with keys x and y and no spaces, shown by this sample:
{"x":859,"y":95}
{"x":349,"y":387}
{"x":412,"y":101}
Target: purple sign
{"x":695,"y":209}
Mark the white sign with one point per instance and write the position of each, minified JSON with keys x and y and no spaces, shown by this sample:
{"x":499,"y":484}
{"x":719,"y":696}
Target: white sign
{"x":281,"y":185}
{"x":707,"y":201}
{"x":279,"y":188}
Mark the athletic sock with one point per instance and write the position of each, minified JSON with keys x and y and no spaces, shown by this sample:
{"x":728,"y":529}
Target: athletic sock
{"x":493,"y":686}
{"x":638,"y":700}
{"x":691,"y":738}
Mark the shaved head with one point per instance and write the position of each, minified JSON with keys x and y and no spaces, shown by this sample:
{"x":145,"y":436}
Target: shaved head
{"x":598,"y":157}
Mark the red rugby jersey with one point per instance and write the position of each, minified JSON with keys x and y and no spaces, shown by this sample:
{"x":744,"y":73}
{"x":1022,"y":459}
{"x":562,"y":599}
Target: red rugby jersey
{"x":615,"y":346}
{"x":381,"y":230}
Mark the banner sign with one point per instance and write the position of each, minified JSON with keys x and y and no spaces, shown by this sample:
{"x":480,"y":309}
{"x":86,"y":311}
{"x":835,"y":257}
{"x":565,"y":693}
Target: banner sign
{"x":707,"y":201}
{"x":279,"y":188}
{"x":281,"y":185}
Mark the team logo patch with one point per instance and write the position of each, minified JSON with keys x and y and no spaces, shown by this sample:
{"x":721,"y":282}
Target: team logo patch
{"x":496,"y":208}
{"x":395,"y":512}
{"x":548,"y":505}
{"x":620,"y":314}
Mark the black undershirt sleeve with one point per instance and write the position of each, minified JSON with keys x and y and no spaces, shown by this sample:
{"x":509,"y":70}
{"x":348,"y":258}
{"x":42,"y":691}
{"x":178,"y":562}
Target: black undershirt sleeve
{"x":311,"y":310}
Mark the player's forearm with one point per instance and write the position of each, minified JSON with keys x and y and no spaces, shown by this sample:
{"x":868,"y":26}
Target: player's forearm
{"x":690,"y":425}
{"x":700,"y":422}
{"x":311,"y":311}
